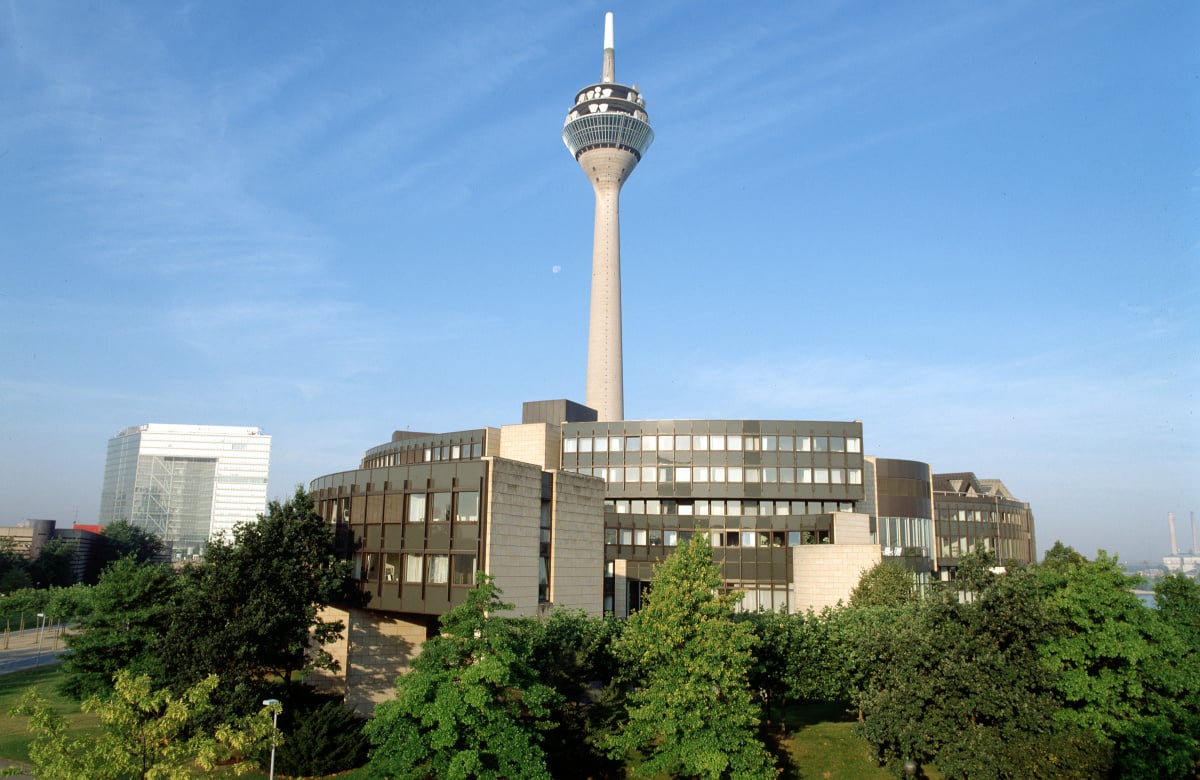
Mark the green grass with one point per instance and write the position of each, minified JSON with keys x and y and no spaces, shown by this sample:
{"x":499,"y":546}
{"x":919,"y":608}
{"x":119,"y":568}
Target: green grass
{"x":14,"y":739}
{"x":820,"y":744}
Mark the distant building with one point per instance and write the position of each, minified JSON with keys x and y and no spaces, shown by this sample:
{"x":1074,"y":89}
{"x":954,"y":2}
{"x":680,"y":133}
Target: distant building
{"x":186,"y":483}
{"x":87,"y":545}
{"x":972,"y":512}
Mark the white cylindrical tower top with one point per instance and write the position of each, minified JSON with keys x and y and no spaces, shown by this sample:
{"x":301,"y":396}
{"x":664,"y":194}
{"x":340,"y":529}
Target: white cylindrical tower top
{"x":609,"y":73}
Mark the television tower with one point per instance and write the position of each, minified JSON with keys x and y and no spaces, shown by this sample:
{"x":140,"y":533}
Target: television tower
{"x":607,"y":130}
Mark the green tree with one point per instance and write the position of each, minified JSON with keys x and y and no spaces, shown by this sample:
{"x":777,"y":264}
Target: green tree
{"x":692,"y":713}
{"x":53,"y":564}
{"x":14,"y":569}
{"x":470,"y":707}
{"x":122,"y":538}
{"x":252,"y":609}
{"x":1122,"y":671}
{"x":122,"y":627}
{"x":886,"y":584}
{"x":145,"y":734}
{"x":1177,"y":597}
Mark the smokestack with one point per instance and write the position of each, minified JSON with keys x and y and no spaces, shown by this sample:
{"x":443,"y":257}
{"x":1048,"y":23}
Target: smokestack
{"x":1171,"y":522}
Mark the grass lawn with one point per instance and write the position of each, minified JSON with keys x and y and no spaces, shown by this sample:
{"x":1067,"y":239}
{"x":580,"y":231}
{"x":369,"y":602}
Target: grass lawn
{"x":820,"y":745}
{"x":14,"y":739}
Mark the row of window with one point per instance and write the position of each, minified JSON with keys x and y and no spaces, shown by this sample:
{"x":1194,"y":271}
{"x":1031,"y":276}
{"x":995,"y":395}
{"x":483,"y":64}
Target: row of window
{"x":658,"y":537}
{"x":768,"y":475}
{"x":435,"y":568}
{"x":719,"y":507}
{"x":978,"y":516}
{"x":717,"y":442}
{"x":441,"y":506}
{"x":405,"y":456}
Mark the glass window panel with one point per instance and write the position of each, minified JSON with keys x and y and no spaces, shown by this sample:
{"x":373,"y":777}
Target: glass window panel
{"x":787,"y":443}
{"x":686,"y":509}
{"x":600,"y":444}
{"x":665,"y":474}
{"x":391,"y":567}
{"x":700,"y":474}
{"x":468,"y":507}
{"x":632,"y":473}
{"x":653,"y":506}
{"x":413,"y":568}
{"x":585,"y":443}
{"x":716,"y":538}
{"x":750,"y":508}
{"x":717,"y":508}
{"x":666,"y":443}
{"x":854,"y":476}
{"x":669,"y":538}
{"x":734,"y":473}
{"x":748,"y":538}
{"x":803,"y":444}
{"x":700,"y":443}
{"x":733,"y":508}
{"x":753,"y":474}
{"x":455,"y":451}
{"x":804,"y":476}
{"x":464,"y":569}
{"x":639,"y":536}
{"x":853,"y":444}
{"x":750,"y":443}
{"x":837,"y":476}
{"x":614,"y":443}
{"x":732,"y":538}
{"x":633,"y":443}
{"x":610,"y":536}
{"x":733,"y":442}
{"x":782,"y":508}
{"x":683,"y":474}
{"x":766,"y":508}
{"x":820,"y":444}
{"x":622,"y":506}
{"x":441,"y":507}
{"x":717,"y":473}
{"x":769,"y":443}
{"x":837,"y":444}
{"x":793,"y":538}
{"x":655,"y":536}
{"x":616,"y":474}
{"x":416,"y":507}
{"x":821,"y":476}
{"x":716,"y":441}
{"x":683,"y":442}
{"x":638,"y":506}
{"x":787,"y":475}
{"x":626,"y":536}
{"x":649,"y":443}
{"x":701,"y":506}
{"x":439,"y":569}
{"x":648,"y":473}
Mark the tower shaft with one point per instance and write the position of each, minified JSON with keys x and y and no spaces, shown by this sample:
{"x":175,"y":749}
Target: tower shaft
{"x":607,"y":169}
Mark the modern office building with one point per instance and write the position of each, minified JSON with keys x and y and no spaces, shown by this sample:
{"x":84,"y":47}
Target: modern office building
{"x":186,"y":483}
{"x":574,"y":506}
{"x":972,"y":513}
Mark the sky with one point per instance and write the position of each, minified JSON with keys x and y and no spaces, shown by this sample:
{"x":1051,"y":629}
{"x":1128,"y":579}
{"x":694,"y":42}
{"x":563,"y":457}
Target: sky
{"x":972,"y":226}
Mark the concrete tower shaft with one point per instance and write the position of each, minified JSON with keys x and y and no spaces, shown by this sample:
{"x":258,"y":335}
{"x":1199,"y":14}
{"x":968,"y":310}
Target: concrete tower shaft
{"x":607,"y":131}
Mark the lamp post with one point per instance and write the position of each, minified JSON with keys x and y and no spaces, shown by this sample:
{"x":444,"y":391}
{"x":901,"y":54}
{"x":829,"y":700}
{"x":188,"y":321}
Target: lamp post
{"x":910,"y":768}
{"x":275,"y":706}
{"x":41,"y":624}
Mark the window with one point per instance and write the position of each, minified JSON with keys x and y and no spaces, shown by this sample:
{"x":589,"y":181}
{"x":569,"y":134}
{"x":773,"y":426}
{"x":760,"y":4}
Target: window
{"x":748,"y":538}
{"x":622,"y":506}
{"x":787,"y":475}
{"x":820,"y":444}
{"x":665,"y":474}
{"x":769,"y":443}
{"x":666,"y":443}
{"x":787,"y":443}
{"x":700,"y":473}
{"x":837,"y":444}
{"x":699,"y":443}
{"x":391,"y":567}
{"x":441,"y":508}
{"x":633,"y":443}
{"x":804,"y":476}
{"x":639,"y":536}
{"x":649,"y":443}
{"x":821,"y":476}
{"x":683,"y":473}
{"x":626,"y":536}
{"x":464,"y":569}
{"x":717,"y":473}
{"x":683,"y":442}
{"x":616,"y":475}
{"x":752,"y":475}
{"x":837,"y":476}
{"x":733,"y":442}
{"x":610,"y":536}
{"x":614,"y":443}
{"x":853,"y":444}
{"x":718,"y":508}
{"x":716,"y":441}
{"x":631,"y":473}
{"x":585,"y":443}
{"x":656,"y":536}
{"x":600,"y":444}
{"x":439,"y":569}
{"x":669,"y":538}
{"x":413,"y":568}
{"x":735,"y":473}
{"x":803,"y":444}
{"x":648,"y":473}
{"x":416,"y":507}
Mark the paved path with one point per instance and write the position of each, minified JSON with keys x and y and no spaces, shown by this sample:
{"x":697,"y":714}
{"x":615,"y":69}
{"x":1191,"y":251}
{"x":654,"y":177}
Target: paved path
{"x":29,"y":648}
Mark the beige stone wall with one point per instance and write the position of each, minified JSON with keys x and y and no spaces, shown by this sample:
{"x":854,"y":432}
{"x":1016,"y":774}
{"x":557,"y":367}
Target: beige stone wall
{"x":577,"y":563}
{"x":851,"y":528}
{"x":511,"y":539}
{"x":823,"y":574}
{"x":536,"y":443}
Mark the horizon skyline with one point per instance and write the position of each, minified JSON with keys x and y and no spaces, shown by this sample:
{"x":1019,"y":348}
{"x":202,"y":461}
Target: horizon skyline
{"x":974,"y":229}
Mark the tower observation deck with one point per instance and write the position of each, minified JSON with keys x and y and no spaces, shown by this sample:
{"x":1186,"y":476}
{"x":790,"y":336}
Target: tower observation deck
{"x":607,"y":131}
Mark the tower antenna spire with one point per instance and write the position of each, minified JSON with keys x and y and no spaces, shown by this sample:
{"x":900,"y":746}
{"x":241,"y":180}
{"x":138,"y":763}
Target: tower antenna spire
{"x":609,"y":73}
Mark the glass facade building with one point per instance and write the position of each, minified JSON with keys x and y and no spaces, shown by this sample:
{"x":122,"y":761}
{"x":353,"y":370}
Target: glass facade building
{"x":186,"y":483}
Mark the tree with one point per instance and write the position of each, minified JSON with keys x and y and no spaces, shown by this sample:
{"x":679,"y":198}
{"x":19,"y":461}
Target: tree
{"x":146,"y":734}
{"x":14,"y":569}
{"x":1123,"y":672}
{"x":885,"y":584}
{"x":1177,"y":597}
{"x":122,"y":627}
{"x":122,"y":538}
{"x":252,"y":608}
{"x":470,"y":707}
{"x":692,"y":712}
{"x":52,"y":566}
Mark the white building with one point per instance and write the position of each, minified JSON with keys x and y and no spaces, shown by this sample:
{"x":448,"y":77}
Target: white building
{"x":186,"y":483}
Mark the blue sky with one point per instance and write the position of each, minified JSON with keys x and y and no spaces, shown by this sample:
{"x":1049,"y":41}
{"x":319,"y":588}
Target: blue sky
{"x":972,"y":226}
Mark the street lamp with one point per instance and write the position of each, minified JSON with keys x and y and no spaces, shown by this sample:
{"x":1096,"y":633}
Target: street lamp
{"x":910,"y":768}
{"x":41,"y":624}
{"x":275,"y":706}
